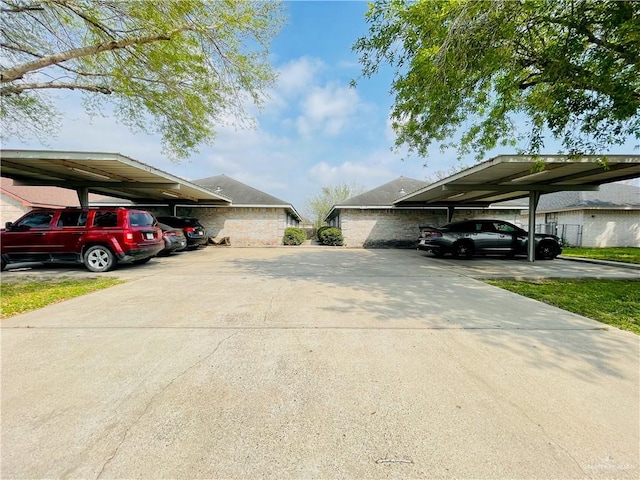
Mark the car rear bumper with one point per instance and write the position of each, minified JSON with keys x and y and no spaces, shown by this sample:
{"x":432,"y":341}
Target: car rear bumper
{"x":427,"y":246}
{"x":140,"y":253}
{"x":197,"y":241}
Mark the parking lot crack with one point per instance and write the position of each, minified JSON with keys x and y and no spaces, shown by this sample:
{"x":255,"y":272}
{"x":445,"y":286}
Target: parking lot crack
{"x":156,"y":396}
{"x":269,"y":309}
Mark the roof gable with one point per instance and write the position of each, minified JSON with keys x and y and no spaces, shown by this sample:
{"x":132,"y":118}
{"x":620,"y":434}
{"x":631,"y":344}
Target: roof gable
{"x":384,"y":195}
{"x":610,"y":195}
{"x":239,"y":193}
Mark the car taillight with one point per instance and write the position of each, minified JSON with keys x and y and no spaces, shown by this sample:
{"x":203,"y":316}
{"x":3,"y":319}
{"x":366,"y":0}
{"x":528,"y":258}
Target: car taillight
{"x":433,"y":234}
{"x":168,"y":234}
{"x":189,"y":229}
{"x":128,"y":236}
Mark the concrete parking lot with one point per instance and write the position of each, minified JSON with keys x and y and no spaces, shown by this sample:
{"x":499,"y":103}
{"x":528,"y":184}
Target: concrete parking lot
{"x":317,"y":363}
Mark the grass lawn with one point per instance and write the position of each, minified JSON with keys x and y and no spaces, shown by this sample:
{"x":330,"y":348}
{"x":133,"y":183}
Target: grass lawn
{"x":23,"y":297}
{"x":614,"y":302}
{"x":616,"y":254}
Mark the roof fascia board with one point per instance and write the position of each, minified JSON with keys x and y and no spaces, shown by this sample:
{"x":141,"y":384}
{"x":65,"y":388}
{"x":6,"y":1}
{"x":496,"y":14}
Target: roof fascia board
{"x":453,"y":187}
{"x":594,"y":207}
{"x":524,"y":159}
{"x":384,"y":207}
{"x":98,"y":184}
{"x":289,"y":208}
{"x":88,"y":157}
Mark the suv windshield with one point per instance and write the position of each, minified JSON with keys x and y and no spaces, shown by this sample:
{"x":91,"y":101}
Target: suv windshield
{"x":35,"y":220}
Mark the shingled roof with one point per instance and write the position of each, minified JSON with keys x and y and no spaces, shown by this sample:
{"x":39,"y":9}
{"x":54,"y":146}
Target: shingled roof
{"x":384,"y":195}
{"x":50,"y":197}
{"x":610,"y":196}
{"x":242,"y":195}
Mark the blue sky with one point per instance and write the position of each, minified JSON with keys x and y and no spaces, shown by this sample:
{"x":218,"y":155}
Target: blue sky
{"x":314,"y":131}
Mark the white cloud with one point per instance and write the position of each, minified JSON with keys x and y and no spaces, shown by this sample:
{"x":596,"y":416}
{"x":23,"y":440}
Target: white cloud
{"x":296,"y":76}
{"x":367,"y":174}
{"x":328,"y":110}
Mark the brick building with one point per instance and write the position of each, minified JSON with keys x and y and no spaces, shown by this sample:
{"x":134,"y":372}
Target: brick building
{"x":253,"y":219}
{"x":371,"y":220}
{"x":609,"y":217}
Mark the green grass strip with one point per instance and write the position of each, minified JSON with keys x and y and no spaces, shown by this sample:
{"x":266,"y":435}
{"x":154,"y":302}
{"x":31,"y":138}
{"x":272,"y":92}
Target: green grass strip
{"x":18,"y":298}
{"x":614,"y":302}
{"x":615,"y":254}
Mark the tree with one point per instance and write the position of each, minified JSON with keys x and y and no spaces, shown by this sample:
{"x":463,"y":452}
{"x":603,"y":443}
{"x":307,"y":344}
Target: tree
{"x":572,"y":67}
{"x":320,"y":205}
{"x":174,"y":67}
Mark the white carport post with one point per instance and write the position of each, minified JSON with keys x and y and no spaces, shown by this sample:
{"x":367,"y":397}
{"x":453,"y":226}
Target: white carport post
{"x":534,"y":197}
{"x":83,"y":196}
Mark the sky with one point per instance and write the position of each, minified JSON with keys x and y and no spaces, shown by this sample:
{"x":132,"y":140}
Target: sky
{"x":314,"y":130}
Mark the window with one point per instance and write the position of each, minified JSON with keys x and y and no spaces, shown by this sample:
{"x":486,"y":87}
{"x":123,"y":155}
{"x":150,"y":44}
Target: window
{"x":105,"y":219}
{"x":72,"y":219}
{"x":36,"y":220}
{"x":505,"y":227}
{"x":139,"y":219}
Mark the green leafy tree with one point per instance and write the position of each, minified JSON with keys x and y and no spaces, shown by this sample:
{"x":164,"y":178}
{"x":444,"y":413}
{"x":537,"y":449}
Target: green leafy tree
{"x":320,"y":205}
{"x":473,"y":67}
{"x":174,"y":67}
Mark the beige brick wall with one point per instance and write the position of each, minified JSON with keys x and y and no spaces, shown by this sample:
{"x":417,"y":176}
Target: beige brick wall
{"x":611,"y":228}
{"x":388,"y":228}
{"x":600,"y":228}
{"x":246,"y":227}
{"x":11,"y":209}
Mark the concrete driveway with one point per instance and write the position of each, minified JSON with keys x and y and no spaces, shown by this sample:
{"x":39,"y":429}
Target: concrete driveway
{"x":317,"y":363}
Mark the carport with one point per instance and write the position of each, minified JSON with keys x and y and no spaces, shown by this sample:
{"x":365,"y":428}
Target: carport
{"x":508,"y":177}
{"x":110,"y":174}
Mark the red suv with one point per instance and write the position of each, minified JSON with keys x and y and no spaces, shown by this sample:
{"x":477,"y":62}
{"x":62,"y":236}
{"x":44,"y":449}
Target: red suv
{"x":97,"y":237}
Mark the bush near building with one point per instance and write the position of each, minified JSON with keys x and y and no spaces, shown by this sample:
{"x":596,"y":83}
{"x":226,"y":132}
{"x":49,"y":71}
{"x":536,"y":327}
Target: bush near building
{"x":331,"y":236}
{"x":294,"y":236}
{"x":320,"y":230}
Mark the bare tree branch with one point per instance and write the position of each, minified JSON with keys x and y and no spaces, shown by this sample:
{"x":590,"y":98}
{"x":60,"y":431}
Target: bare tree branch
{"x":17,"y":89}
{"x":21,"y":8}
{"x":19,"y":71}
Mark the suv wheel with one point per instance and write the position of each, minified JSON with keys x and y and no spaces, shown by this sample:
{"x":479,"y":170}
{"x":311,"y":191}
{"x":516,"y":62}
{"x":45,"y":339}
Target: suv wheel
{"x":99,"y":259}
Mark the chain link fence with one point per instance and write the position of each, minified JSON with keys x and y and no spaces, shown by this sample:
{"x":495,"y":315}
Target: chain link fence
{"x":570,"y":234}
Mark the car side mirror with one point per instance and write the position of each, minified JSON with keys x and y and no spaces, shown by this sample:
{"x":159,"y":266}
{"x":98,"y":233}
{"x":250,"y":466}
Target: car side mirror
{"x":8,"y":225}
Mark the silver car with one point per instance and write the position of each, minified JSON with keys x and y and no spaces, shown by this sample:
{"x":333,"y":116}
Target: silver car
{"x":485,"y":237}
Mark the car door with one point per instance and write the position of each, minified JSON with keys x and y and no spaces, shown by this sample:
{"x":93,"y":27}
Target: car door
{"x":67,"y":234}
{"x":28,"y":239}
{"x":508,"y":240}
{"x":486,"y":238}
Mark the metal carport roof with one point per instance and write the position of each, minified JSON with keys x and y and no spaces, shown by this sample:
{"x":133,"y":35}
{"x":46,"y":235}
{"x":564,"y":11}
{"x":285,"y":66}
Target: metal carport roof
{"x":110,"y":174}
{"x":508,"y":177}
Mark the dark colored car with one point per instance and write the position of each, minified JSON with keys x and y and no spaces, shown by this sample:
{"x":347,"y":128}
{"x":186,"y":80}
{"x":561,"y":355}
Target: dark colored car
{"x":174,"y":240}
{"x":99,"y":238}
{"x":193,"y":230}
{"x":485,"y":237}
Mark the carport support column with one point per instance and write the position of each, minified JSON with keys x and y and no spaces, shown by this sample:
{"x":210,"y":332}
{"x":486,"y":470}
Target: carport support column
{"x":83,"y":196}
{"x":450,"y":210}
{"x":534,"y":197}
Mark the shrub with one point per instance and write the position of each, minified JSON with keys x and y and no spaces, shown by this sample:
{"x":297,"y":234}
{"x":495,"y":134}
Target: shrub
{"x":294,"y":236}
{"x":320,"y":230}
{"x":332,"y":236}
